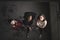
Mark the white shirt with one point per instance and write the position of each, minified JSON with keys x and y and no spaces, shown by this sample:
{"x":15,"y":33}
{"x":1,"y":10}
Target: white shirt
{"x":42,"y":24}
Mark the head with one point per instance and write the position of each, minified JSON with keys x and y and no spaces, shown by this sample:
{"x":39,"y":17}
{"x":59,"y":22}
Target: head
{"x":13,"y":22}
{"x":29,"y":16}
{"x":41,"y":17}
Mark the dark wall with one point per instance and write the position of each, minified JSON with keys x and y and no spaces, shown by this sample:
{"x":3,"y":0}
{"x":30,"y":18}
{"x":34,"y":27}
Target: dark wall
{"x":18,"y":8}
{"x":54,"y":8}
{"x":14,"y":9}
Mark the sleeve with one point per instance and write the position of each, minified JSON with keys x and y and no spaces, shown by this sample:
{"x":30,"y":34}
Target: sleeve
{"x":45,"y":24}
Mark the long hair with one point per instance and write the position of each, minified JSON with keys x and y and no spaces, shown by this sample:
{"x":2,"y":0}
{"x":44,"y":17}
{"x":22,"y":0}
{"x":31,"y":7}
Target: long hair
{"x":27,"y":14}
{"x":26,"y":17}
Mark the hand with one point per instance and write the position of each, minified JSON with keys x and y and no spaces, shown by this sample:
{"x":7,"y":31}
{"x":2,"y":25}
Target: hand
{"x":30,"y":28}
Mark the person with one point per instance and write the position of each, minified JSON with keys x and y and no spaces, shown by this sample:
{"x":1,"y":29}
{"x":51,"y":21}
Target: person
{"x":28,"y":20}
{"x":16,"y":26}
{"x":41,"y":23}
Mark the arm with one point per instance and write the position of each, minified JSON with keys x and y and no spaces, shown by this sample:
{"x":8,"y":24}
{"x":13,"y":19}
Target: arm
{"x":45,"y":24}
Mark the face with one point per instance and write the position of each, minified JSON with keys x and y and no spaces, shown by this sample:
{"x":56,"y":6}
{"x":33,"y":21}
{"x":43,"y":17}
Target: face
{"x":42,"y":18}
{"x":30,"y":18}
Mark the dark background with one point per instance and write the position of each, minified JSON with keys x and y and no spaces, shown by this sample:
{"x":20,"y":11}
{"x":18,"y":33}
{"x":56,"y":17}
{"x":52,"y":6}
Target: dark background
{"x":15,"y":9}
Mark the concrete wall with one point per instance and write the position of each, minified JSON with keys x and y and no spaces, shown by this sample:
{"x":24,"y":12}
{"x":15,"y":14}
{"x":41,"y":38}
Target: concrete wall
{"x":54,"y":26}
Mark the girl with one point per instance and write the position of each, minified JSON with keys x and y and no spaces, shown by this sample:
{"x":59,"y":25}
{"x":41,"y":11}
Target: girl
{"x":41,"y":24}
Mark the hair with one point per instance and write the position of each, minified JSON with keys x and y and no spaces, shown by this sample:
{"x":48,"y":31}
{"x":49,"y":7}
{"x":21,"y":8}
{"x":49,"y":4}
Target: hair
{"x":27,"y":14}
